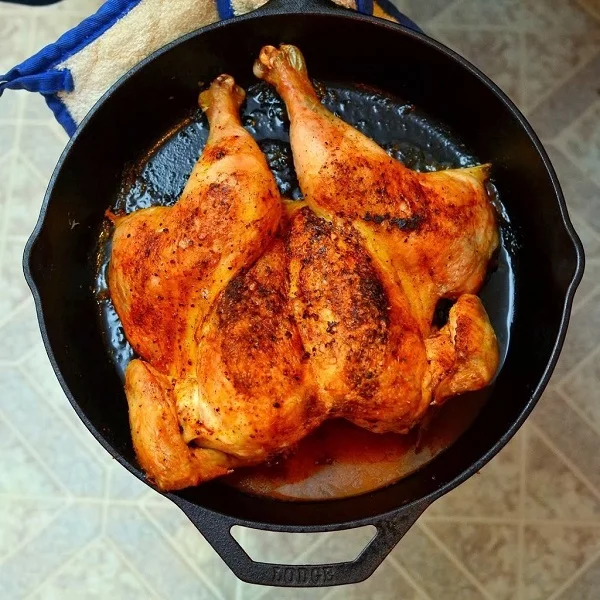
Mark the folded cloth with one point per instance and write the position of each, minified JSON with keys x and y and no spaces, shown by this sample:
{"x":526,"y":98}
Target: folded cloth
{"x":76,"y":70}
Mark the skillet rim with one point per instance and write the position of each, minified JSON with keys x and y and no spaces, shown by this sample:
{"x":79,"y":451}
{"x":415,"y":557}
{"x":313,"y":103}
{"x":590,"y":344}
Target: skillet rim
{"x":535,"y":395}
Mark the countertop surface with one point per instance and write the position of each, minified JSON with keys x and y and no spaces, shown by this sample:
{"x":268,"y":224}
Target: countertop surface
{"x":75,"y":525}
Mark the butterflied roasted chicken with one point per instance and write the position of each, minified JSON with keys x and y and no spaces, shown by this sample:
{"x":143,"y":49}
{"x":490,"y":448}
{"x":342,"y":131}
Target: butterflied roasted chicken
{"x":255,"y":319}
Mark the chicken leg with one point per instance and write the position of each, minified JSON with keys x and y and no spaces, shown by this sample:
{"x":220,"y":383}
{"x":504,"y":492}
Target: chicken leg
{"x":430,"y":235}
{"x":169,"y":267}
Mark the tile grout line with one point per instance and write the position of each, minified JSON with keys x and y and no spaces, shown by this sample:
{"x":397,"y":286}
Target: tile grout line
{"x":36,"y":171}
{"x":131,"y":566}
{"x":575,"y":576}
{"x":408,"y":577}
{"x":22,"y":543}
{"x":62,"y":567}
{"x":593,"y":426}
{"x":449,"y":7}
{"x":583,"y":299}
{"x":521,"y":525}
{"x":6,"y":319}
{"x":165,"y":535}
{"x":571,"y":73}
{"x":454,"y":560}
{"x":39,"y":392}
{"x":38,"y":459}
{"x":580,"y":365}
{"x":562,"y":144}
{"x":567,"y":461}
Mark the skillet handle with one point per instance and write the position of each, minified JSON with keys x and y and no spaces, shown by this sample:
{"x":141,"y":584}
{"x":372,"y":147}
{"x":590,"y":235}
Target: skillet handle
{"x":329,"y":7}
{"x":216,"y":528}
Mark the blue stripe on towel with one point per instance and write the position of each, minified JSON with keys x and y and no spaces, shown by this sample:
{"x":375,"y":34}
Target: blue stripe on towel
{"x":364,"y":6}
{"x":37,"y":74}
{"x":225,"y":9}
{"x":391,"y":10}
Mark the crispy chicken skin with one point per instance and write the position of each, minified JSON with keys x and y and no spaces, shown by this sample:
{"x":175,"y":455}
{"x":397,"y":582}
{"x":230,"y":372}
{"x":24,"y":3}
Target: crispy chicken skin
{"x":256,"y":319}
{"x":427,"y":236}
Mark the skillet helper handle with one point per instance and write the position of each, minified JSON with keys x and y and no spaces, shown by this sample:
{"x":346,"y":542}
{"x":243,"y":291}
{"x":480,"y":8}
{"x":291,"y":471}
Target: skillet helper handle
{"x":217,"y":531}
{"x":329,"y":7}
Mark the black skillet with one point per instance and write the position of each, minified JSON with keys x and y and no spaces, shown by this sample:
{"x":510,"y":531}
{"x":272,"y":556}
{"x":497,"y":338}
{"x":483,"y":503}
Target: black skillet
{"x":546,"y":258}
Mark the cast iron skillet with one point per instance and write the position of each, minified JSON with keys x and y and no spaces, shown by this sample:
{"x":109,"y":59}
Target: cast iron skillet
{"x":344,"y":46}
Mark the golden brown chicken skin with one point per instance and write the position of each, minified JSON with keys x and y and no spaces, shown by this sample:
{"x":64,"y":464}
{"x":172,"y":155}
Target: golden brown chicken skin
{"x":430,"y":235}
{"x":169,"y":267}
{"x":363,"y":343}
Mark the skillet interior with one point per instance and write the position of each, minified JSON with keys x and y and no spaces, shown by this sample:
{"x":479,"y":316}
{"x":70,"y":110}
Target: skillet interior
{"x":156,"y":97}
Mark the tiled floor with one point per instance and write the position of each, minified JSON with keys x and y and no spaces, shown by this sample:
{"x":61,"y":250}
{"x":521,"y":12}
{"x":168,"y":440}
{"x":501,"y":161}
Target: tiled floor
{"x":74,"y":525}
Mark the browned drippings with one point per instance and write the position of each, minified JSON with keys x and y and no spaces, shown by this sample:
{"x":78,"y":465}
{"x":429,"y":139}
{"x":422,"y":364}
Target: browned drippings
{"x":339,"y":459}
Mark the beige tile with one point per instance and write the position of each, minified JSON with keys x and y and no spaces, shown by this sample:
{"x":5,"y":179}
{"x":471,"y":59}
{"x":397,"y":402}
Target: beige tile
{"x":549,"y":57}
{"x":23,"y":518}
{"x":496,"y":53}
{"x":432,"y":570}
{"x":488,"y":551}
{"x":12,"y":281}
{"x":582,"y":336}
{"x":50,"y":25}
{"x":123,"y":485}
{"x":14,"y":40}
{"x":35,"y":107}
{"x":552,"y":490}
{"x":475,"y":13}
{"x":97,"y":572}
{"x":581,"y":142}
{"x":581,"y":193}
{"x":582,"y":388}
{"x":422,"y":12}
{"x":385,"y":584}
{"x":589,"y":237}
{"x":20,"y":334}
{"x":22,"y":474}
{"x":591,"y":244}
{"x":27,"y":193}
{"x":570,"y":434}
{"x":586,"y":586}
{"x":589,"y":284}
{"x":60,"y":448}
{"x":552,"y":554}
{"x":41,"y":146}
{"x":493,"y":492}
{"x":10,"y":103}
{"x":7,"y":139}
{"x":186,"y":542}
{"x":591,"y":7}
{"x":74,"y":528}
{"x":569,"y":101}
{"x":558,"y":16}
